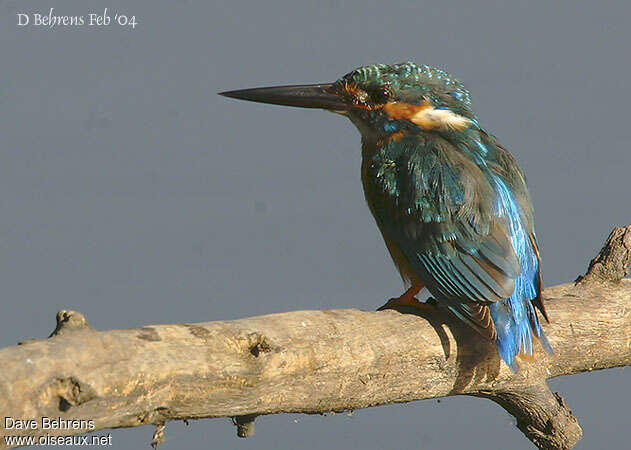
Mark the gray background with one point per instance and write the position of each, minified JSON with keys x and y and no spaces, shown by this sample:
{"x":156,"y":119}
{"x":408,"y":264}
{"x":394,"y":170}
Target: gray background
{"x":133,"y":193}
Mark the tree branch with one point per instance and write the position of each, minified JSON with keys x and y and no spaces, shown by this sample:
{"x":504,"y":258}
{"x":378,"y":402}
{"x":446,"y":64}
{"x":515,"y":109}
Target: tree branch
{"x":316,"y":362}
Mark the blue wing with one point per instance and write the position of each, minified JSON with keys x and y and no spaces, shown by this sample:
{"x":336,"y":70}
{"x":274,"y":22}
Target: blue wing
{"x":450,"y":208}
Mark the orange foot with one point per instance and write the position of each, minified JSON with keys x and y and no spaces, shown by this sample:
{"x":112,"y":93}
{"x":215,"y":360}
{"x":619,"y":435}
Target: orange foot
{"x":408,"y":299}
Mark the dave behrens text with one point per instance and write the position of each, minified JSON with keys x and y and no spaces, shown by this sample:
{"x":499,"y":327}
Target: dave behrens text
{"x":48,"y":423}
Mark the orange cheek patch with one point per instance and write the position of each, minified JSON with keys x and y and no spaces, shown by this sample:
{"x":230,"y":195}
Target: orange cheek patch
{"x":426,"y":116}
{"x":407,"y":111}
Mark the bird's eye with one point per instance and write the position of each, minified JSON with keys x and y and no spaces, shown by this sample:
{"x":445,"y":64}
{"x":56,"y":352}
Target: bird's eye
{"x":380,"y":95}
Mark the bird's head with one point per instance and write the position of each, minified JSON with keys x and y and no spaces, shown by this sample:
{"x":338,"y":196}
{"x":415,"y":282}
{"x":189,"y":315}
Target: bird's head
{"x":381,"y":99}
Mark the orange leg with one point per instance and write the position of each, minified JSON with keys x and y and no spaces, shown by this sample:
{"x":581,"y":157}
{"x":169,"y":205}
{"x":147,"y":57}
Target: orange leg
{"x":408,"y":299}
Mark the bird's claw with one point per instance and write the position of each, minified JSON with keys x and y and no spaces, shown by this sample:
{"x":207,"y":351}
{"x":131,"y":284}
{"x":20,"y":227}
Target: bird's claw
{"x":393,"y":302}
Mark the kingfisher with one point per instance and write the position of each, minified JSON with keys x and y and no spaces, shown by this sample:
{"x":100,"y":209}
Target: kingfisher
{"x":450,"y":201}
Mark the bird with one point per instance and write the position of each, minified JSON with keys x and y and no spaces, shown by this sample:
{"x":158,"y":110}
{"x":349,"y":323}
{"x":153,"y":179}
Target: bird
{"x":450,"y":201}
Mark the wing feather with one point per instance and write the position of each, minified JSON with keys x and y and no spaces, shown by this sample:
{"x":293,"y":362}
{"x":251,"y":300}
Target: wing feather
{"x":437,"y":205}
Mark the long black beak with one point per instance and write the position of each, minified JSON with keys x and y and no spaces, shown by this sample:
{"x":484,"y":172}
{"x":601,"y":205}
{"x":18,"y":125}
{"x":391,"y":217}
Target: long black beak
{"x":305,"y":96}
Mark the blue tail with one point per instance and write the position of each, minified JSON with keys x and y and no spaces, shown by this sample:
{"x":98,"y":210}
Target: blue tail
{"x":514,"y":317}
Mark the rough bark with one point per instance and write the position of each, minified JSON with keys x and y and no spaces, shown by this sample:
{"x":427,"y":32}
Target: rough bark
{"x":316,"y":362}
